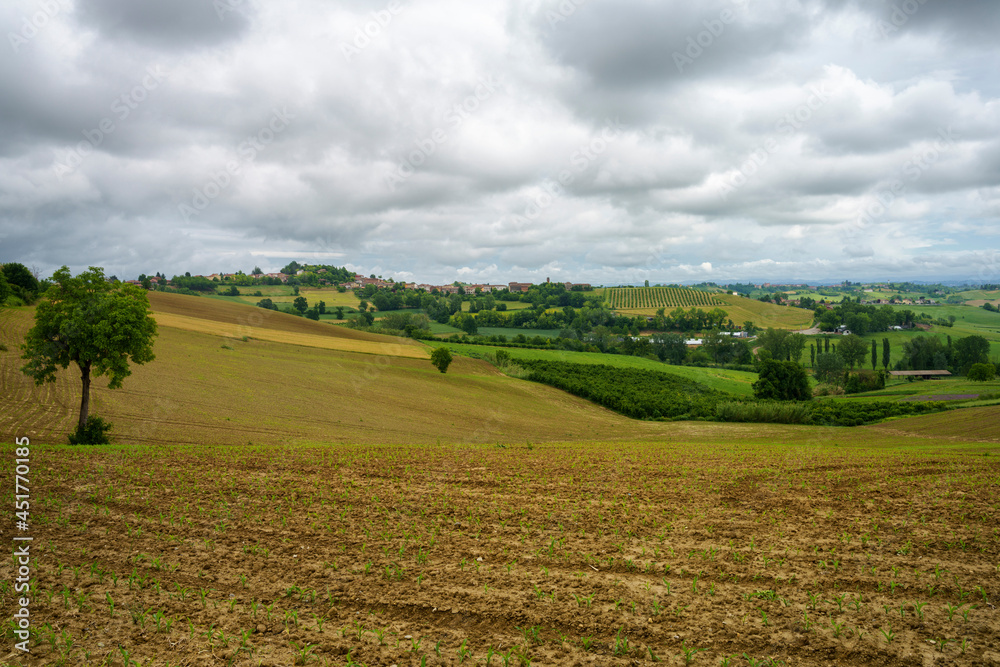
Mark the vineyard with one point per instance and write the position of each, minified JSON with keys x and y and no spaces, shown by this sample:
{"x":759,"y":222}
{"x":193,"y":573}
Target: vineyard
{"x":659,"y":297}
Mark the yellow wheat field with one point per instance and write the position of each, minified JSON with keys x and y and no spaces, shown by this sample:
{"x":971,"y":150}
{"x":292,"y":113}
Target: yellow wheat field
{"x":290,"y":337}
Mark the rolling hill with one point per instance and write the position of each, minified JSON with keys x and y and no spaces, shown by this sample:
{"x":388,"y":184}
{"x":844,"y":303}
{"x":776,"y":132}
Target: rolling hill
{"x":207,"y":385}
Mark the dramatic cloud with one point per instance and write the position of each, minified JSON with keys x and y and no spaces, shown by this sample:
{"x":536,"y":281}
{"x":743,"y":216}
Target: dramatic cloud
{"x":505,"y":139}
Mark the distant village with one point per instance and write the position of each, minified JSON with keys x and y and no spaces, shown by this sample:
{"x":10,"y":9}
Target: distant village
{"x":360,"y":282}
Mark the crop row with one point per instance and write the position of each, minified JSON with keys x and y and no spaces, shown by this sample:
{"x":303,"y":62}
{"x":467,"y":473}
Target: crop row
{"x":659,"y":297}
{"x":461,"y":555}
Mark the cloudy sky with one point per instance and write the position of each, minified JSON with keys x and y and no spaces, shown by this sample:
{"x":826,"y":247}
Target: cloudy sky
{"x":609,"y":141}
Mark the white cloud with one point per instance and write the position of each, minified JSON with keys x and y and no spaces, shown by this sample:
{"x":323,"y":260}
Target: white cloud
{"x":804,"y":101}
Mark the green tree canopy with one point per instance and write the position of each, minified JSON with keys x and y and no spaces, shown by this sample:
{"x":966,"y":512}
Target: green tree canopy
{"x":441,"y":358}
{"x":971,"y":350}
{"x":782,"y":381}
{"x":829,"y":367}
{"x":97,"y":325}
{"x":22,"y":282}
{"x":981,"y":372}
{"x":922,"y":353}
{"x":853,"y":349}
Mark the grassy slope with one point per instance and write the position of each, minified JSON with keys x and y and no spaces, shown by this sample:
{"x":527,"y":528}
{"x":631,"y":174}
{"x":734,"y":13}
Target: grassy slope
{"x":953,"y":385}
{"x":980,"y":296}
{"x":734,"y":382}
{"x":970,"y":424}
{"x":267,"y":392}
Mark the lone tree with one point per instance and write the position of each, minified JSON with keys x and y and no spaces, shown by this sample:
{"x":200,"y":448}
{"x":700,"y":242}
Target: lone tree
{"x":96,"y":324}
{"x":441,"y":358}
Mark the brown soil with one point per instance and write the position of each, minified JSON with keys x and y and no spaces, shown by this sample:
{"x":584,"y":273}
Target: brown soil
{"x":807,"y":554}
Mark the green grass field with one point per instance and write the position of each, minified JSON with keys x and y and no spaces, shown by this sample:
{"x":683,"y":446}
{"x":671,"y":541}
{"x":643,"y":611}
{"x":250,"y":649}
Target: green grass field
{"x":969,"y":321}
{"x":439,"y":329}
{"x":511,"y":305}
{"x":734,"y":382}
{"x":897,"y":390}
{"x":510,"y":333}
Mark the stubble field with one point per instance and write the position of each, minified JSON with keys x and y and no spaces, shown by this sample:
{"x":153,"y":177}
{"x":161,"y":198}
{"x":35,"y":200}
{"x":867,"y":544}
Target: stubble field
{"x":829,"y":549}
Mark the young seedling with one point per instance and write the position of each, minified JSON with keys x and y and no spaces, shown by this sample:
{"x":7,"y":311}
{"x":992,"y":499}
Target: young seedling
{"x":463,"y":652}
{"x":620,"y":646}
{"x":688,"y":653}
{"x":303,"y":651}
{"x":966,"y":612}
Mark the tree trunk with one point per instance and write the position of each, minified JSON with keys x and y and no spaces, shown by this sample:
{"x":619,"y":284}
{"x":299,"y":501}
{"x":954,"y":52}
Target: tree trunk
{"x":85,"y":398}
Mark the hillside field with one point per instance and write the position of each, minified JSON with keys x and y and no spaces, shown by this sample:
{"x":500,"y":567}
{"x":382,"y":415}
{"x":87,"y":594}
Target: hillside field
{"x":774,"y":545}
{"x":739,"y":309}
{"x":277,"y":502}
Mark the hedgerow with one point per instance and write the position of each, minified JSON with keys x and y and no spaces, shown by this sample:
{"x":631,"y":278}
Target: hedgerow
{"x":636,"y":393}
{"x":648,"y":394}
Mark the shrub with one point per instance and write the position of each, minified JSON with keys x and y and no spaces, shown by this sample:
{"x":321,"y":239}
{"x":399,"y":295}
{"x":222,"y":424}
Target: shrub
{"x":856,"y":413}
{"x":981,"y":372}
{"x":94,"y":432}
{"x":864,"y":381}
{"x":767,"y":413}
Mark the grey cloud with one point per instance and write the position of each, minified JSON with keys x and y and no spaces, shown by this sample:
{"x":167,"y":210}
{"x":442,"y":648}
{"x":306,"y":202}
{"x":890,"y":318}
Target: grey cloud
{"x":624,"y":45}
{"x":177,"y":24}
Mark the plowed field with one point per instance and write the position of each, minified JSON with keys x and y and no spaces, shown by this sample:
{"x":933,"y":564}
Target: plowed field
{"x":818,"y":553}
